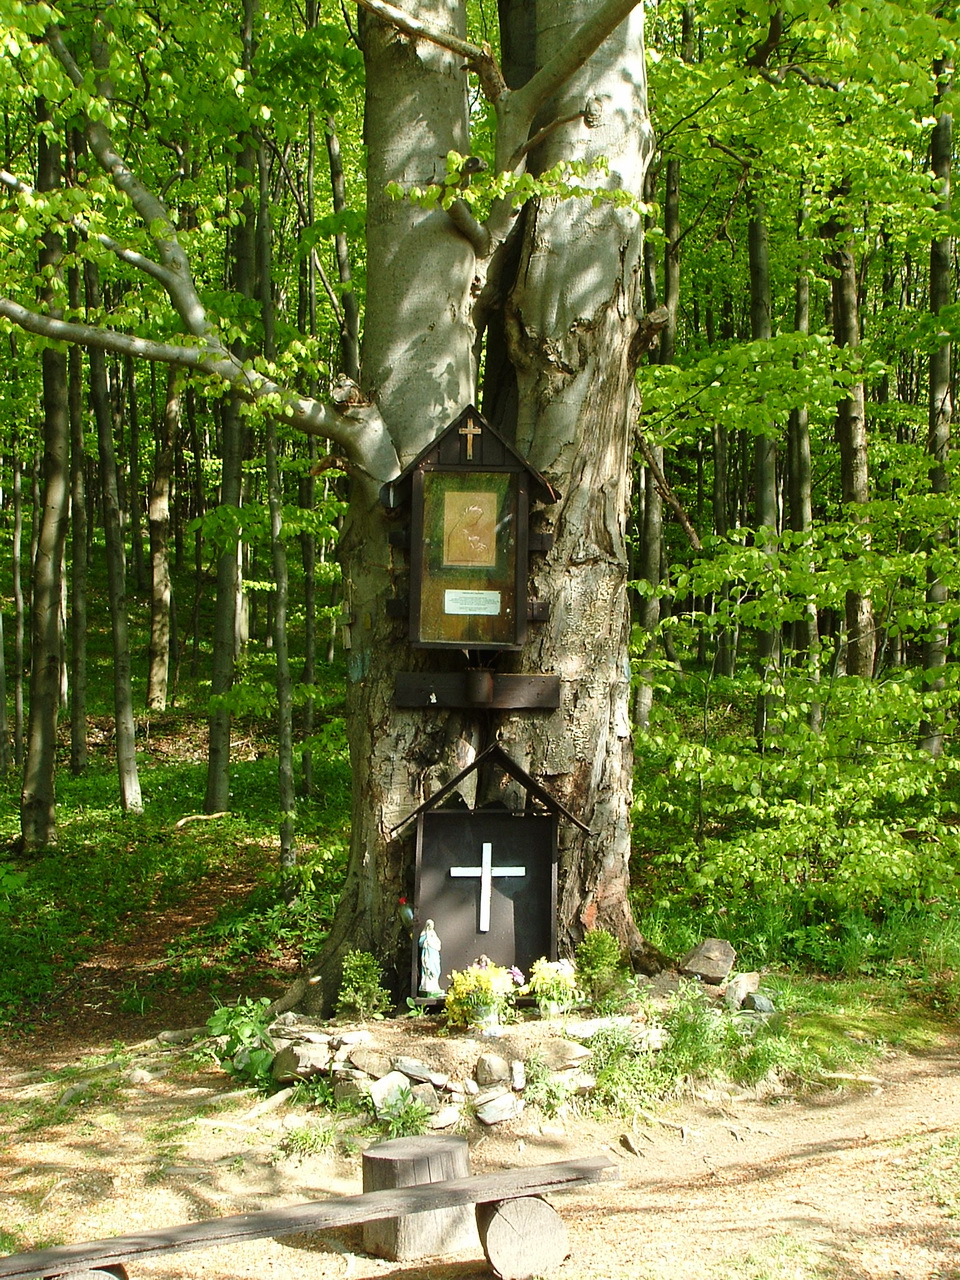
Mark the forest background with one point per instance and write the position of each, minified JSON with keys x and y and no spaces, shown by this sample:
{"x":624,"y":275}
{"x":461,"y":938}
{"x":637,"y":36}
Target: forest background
{"x":794,"y":569}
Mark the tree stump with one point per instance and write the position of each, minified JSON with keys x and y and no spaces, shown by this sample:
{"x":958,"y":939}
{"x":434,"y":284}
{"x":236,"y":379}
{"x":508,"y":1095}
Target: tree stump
{"x":522,"y":1238}
{"x":409,"y":1162}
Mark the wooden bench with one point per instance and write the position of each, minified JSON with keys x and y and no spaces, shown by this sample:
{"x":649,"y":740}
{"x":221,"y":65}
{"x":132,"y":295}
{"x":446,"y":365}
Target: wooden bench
{"x":520,"y":1188}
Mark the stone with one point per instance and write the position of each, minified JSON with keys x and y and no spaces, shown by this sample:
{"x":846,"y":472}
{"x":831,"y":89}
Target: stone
{"x":418,"y":1070}
{"x":488,"y":1095}
{"x":505,"y":1107}
{"x":371,"y":1061}
{"x":558,"y":1055}
{"x":182,"y":1036}
{"x":347,"y":1039}
{"x":652,"y":1038}
{"x":388,"y":1093}
{"x":759,"y":1002}
{"x":446,"y":1117}
{"x":351,"y":1091}
{"x":491,"y":1068}
{"x":710,"y":961}
{"x":137,"y":1075}
{"x":739,"y":987}
{"x":427,"y":1094}
{"x":518,"y":1075}
{"x":300,"y":1062}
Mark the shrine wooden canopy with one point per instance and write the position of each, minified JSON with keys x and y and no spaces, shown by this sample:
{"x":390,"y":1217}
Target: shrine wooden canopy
{"x":495,"y":754}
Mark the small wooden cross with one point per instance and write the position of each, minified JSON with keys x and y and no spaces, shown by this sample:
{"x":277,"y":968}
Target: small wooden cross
{"x":470,"y":430}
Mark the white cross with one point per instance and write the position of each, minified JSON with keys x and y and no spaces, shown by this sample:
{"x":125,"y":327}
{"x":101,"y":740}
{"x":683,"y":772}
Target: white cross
{"x":486,"y":871}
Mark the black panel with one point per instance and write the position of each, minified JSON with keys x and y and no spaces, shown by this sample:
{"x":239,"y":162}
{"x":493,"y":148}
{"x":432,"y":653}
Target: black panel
{"x":522,"y":908}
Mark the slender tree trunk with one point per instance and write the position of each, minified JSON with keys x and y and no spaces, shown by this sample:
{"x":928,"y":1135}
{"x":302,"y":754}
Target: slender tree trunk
{"x":851,"y":431}
{"x":133,"y":498}
{"x":940,"y":395}
{"x":79,"y":554}
{"x":228,"y":623}
{"x":350,"y":327}
{"x":4,"y":731}
{"x":278,"y":554}
{"x":800,"y":493}
{"x":131,"y":799}
{"x":19,"y":618}
{"x":38,"y":796}
{"x":767,"y":521}
{"x":159,"y":520}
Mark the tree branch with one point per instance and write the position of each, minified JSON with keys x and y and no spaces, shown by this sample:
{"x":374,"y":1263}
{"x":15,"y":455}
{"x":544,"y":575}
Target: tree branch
{"x":667,"y":493}
{"x":130,"y":256}
{"x":356,"y":427}
{"x":150,"y":207}
{"x":522,"y":105}
{"x":353,"y":423}
{"x":479,"y":58}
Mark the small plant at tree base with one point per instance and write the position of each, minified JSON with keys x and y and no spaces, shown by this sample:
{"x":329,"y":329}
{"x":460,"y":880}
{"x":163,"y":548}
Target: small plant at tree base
{"x":547,"y":1090}
{"x":244,"y":1047}
{"x":598,"y":959}
{"x":480,"y":992}
{"x":307,"y":1140}
{"x":408,"y":1117}
{"x":362,"y":993}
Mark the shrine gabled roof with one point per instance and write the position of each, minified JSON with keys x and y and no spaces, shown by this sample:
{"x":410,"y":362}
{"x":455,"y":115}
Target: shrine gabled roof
{"x":439,"y":453}
{"x":495,"y":754}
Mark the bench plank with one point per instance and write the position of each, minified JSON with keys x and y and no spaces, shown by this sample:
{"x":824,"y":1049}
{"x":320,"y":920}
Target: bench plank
{"x":313,"y":1216}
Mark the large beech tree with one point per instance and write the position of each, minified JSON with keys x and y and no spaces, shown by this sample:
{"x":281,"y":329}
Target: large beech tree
{"x":532,"y":274}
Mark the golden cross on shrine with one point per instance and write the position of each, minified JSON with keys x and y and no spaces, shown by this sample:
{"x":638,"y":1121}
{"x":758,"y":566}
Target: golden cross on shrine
{"x":470,"y":429}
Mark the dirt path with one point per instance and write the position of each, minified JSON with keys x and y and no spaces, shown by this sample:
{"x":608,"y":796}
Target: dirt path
{"x":723,"y":1187}
{"x":856,"y":1182}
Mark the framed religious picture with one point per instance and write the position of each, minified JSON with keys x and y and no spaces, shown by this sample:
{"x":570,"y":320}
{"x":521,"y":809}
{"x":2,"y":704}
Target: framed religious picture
{"x":468,"y":494}
{"x":468,"y":591}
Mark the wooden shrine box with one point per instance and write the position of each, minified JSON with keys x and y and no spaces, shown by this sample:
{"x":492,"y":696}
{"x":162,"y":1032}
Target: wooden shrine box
{"x":469,"y":496}
{"x":487,"y":877}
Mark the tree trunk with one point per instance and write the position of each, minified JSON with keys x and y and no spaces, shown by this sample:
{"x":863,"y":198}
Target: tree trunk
{"x":800,"y":503}
{"x":130,"y":797}
{"x":765,"y":466}
{"x":229,"y":595}
{"x":133,"y":497}
{"x":159,"y":521}
{"x":38,"y":796}
{"x":851,"y":431}
{"x":19,"y":621}
{"x":79,"y":556}
{"x":940,"y":398}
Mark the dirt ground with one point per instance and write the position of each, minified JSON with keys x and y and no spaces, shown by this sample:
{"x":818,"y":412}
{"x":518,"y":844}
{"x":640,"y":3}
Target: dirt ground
{"x":725,"y":1185}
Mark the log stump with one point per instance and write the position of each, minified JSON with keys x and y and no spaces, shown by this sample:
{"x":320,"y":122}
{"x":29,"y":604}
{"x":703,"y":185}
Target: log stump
{"x":409,"y":1162}
{"x":522,"y":1238}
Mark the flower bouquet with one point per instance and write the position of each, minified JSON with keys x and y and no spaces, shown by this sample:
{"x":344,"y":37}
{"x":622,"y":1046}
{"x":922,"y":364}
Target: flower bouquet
{"x":479,"y":996}
{"x":553,"y":984}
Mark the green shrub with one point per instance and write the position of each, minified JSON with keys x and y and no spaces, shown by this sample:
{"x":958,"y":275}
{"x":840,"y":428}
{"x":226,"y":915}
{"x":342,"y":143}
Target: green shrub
{"x":362,"y":994}
{"x":598,"y":960}
{"x":244,"y":1047}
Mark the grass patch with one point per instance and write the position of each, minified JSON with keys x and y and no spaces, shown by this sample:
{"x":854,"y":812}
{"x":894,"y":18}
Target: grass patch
{"x":935,"y":1171}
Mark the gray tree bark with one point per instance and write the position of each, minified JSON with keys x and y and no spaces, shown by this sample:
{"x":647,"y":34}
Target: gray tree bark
{"x":131,"y":799}
{"x":940,"y":420}
{"x":158,"y":517}
{"x":851,"y":430}
{"x":79,"y":554}
{"x":38,"y":795}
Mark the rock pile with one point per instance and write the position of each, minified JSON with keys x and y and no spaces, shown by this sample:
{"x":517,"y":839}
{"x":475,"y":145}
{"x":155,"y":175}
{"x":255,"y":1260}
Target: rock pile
{"x":356,"y":1067}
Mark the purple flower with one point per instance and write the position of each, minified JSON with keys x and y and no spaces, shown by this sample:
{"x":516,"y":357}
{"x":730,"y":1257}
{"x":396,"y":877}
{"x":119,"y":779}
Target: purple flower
{"x":516,"y":975}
